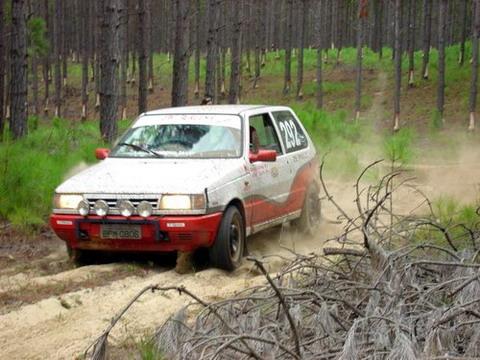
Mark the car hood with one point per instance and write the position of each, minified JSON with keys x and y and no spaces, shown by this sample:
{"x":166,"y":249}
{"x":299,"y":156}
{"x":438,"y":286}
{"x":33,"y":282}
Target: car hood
{"x":152,"y":176}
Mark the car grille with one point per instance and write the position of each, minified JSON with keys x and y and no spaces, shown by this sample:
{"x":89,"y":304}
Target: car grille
{"x":112,"y":202}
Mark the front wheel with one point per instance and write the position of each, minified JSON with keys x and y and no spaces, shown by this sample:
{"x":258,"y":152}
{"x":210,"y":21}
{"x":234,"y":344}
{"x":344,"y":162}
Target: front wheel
{"x":77,"y":256}
{"x":227,"y":251}
{"x":309,"y":219}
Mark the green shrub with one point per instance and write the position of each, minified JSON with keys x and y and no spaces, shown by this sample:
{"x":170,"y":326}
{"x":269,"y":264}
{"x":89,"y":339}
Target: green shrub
{"x":31,"y":168}
{"x":398,"y":147}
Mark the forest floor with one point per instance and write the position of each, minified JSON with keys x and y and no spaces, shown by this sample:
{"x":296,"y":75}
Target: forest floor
{"x":51,"y":309}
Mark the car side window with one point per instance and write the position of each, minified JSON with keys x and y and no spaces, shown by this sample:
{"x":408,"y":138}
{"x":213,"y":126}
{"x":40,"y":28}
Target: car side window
{"x":291,"y":132}
{"x":263,"y":134}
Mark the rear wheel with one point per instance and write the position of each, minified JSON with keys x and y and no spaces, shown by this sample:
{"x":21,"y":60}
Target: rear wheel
{"x":309,"y":220}
{"x":227,"y":251}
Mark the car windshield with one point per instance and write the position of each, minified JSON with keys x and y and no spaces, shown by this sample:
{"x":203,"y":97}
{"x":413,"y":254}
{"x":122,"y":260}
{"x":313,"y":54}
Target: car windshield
{"x":182,"y":136}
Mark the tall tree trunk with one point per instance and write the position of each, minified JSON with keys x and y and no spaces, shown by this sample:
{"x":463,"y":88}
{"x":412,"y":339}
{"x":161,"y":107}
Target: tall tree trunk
{"x":464,"y":18}
{"x":34,"y":62}
{"x":198,"y":47}
{"x":149,"y":44}
{"x":362,"y":15}
{"x":109,"y":69}
{"x":318,"y":40}
{"x":398,"y":66}
{"x":474,"y":79}
{"x":441,"y":57}
{"x":411,"y":42}
{"x":46,"y":61}
{"x":212,"y":48}
{"x":427,"y":34}
{"x":63,"y":43}
{"x":258,"y":43}
{"x":124,"y":16}
{"x":2,"y":67}
{"x":57,"y":44}
{"x":181,"y":55}
{"x":303,"y":34}
{"x":18,"y":70}
{"x":236,"y":21}
{"x":288,"y":47}
{"x":142,"y":57}
{"x":84,"y":10}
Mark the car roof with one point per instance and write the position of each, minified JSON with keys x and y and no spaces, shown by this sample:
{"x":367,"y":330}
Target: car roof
{"x":207,"y":109}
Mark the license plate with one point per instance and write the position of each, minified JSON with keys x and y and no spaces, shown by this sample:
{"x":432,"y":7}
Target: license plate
{"x":121,"y":232}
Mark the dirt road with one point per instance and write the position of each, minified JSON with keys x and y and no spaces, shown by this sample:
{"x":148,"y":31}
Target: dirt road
{"x":49,"y":309}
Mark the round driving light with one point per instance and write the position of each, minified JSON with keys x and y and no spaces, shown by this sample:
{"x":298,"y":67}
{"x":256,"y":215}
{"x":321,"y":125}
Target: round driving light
{"x":83,"y":207}
{"x":125,"y":208}
{"x":144,"y":209}
{"x":101,"y":207}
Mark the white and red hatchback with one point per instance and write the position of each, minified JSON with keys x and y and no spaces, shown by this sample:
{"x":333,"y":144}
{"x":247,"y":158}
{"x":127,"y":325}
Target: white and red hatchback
{"x":185,"y":178}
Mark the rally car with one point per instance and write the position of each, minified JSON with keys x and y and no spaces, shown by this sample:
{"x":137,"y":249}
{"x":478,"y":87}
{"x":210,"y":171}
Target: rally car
{"x":194,"y":177}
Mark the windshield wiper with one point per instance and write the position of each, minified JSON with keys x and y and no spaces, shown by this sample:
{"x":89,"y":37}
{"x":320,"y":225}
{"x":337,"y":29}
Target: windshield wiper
{"x":141,"y":148}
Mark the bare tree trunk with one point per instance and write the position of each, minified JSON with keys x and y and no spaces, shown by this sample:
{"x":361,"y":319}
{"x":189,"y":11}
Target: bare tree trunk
{"x":212,"y":48}
{"x":362,"y":14}
{"x":34,"y":62}
{"x":124,"y":16}
{"x":441,"y":57}
{"x":181,"y":55}
{"x":18,"y":70}
{"x":398,"y":66}
{"x":198,"y":48}
{"x":474,"y":80}
{"x":57,"y":44}
{"x":318,"y":39}
{"x":427,"y":30}
{"x":63,"y":43}
{"x":149,"y":45}
{"x":258,"y":43}
{"x":142,"y":57}
{"x":288,"y":47}
{"x":411,"y":42}
{"x":461,"y":56}
{"x":2,"y":67}
{"x":109,"y":69}
{"x":84,"y":10}
{"x":46,"y":62}
{"x":303,"y":34}
{"x":236,"y":20}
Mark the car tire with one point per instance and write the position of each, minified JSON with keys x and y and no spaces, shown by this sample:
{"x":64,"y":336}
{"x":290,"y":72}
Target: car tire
{"x":309,"y":220}
{"x":77,"y":256}
{"x":227,"y":250}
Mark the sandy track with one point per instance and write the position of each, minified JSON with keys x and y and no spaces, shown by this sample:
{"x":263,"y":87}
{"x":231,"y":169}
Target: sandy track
{"x":60,"y":327}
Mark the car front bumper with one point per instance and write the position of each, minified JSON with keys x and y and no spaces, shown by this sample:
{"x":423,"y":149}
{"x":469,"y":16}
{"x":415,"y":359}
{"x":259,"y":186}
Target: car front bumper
{"x":158,"y":233}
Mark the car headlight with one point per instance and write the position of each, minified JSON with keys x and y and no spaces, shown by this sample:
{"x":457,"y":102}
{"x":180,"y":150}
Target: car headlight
{"x":67,"y":201}
{"x":182,"y":202}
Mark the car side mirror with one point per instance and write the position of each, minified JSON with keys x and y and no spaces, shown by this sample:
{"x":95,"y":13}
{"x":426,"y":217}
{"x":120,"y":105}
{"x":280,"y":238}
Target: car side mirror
{"x":263,"y":155}
{"x":102,"y":153}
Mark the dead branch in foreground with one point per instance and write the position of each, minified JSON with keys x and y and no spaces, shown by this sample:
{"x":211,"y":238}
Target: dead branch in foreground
{"x":416,"y":297}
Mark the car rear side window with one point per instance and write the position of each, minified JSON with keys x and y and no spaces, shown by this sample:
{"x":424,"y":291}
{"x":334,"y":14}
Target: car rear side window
{"x":291,"y":132}
{"x":265,"y":132}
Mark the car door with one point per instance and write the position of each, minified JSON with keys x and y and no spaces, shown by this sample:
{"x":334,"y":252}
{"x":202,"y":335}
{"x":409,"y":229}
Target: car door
{"x":267,"y":195}
{"x":299,"y":159}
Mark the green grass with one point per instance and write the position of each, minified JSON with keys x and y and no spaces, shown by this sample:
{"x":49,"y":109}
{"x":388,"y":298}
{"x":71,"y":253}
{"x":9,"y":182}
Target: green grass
{"x":31,"y":168}
{"x":456,"y":218}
